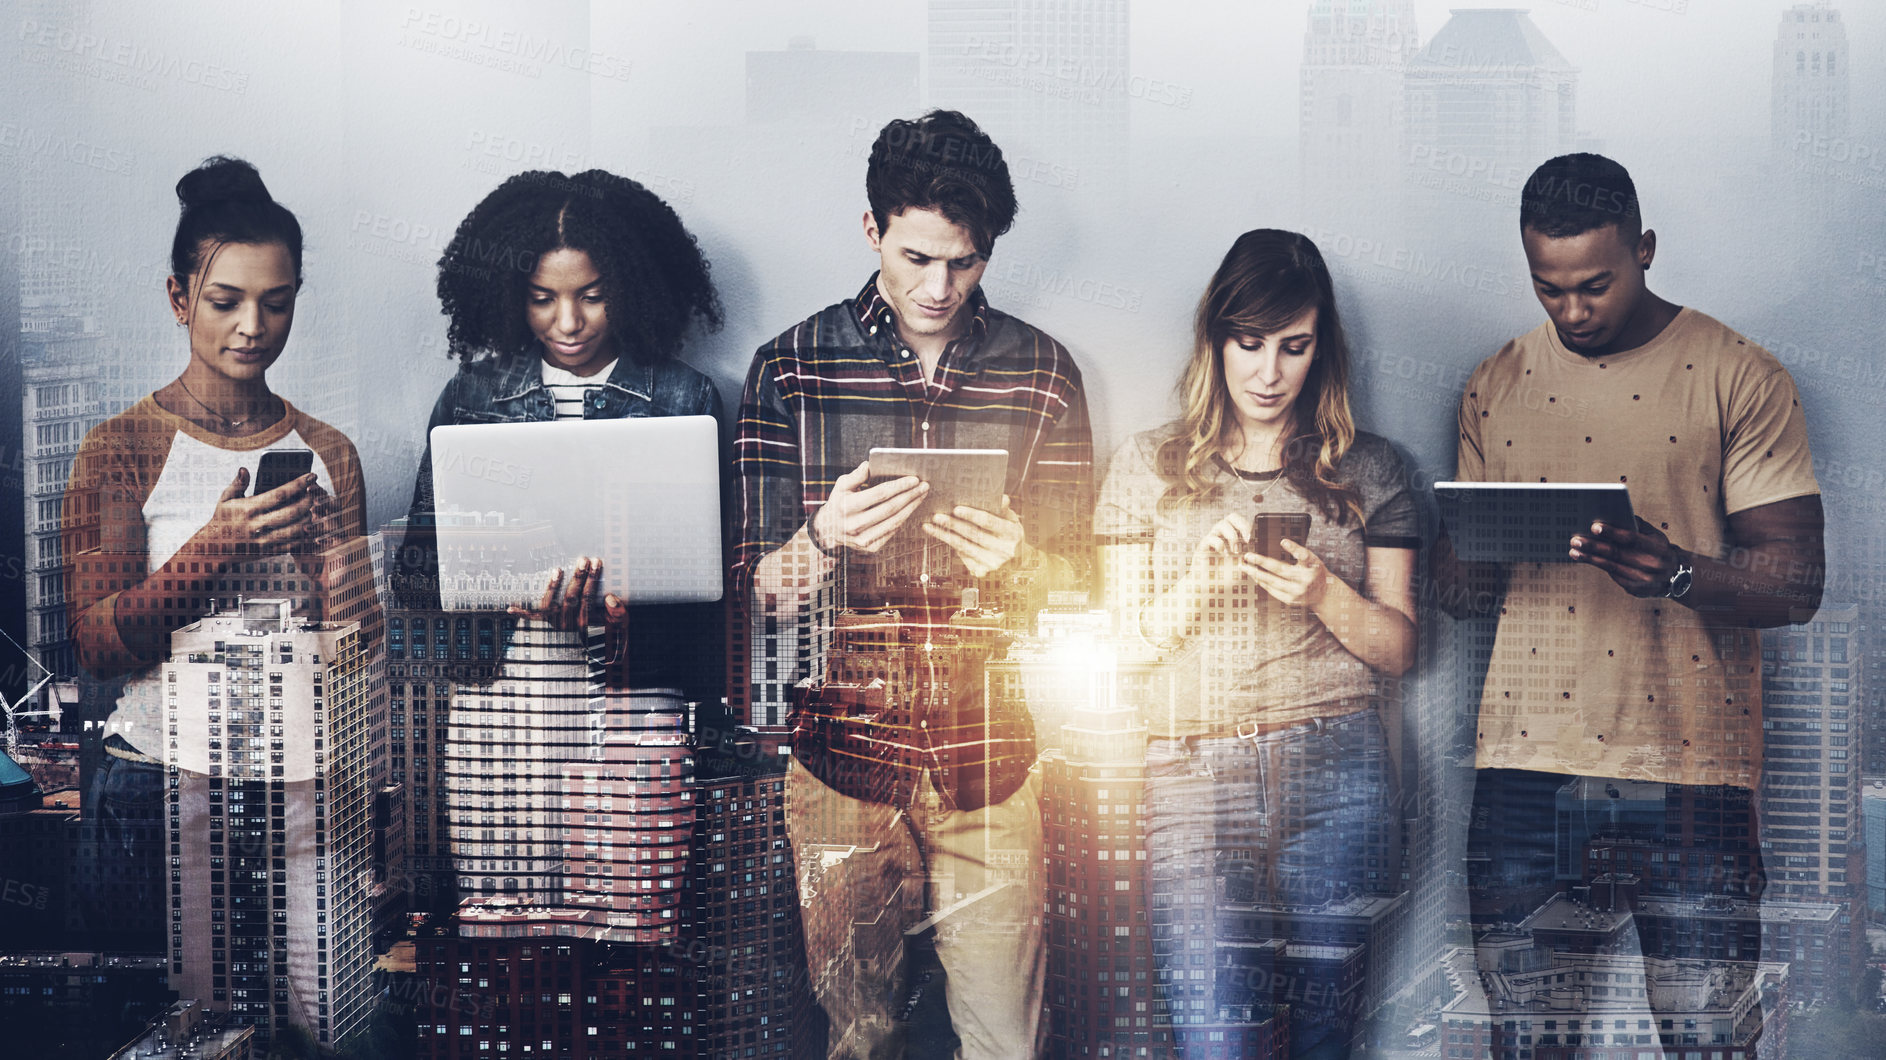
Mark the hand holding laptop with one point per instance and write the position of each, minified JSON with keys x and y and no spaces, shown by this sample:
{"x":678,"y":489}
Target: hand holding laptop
{"x":576,"y":607}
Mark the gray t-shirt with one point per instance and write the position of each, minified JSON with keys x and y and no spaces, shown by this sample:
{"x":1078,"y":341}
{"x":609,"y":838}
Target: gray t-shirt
{"x":1260,"y":660}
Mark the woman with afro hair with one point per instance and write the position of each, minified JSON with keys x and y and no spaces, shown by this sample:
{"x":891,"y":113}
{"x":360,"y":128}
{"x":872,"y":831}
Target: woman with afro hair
{"x":568,"y":298}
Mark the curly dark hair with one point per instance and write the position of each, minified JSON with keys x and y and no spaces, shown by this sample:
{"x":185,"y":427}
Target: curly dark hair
{"x":654,"y":277}
{"x":942,"y":162}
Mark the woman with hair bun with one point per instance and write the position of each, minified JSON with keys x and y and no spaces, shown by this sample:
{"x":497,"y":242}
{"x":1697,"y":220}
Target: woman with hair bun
{"x":160,"y":524}
{"x":1265,"y":540}
{"x":568,"y":298}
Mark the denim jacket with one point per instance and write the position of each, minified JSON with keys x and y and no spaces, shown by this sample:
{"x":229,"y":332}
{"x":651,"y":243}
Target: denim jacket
{"x":511,"y":390}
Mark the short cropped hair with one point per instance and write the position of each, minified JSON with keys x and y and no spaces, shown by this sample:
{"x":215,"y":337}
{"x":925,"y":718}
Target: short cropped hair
{"x":1573,"y":194}
{"x":942,"y":162}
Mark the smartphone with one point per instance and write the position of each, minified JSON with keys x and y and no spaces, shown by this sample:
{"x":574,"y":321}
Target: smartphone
{"x":279,"y":467}
{"x":1270,"y":528}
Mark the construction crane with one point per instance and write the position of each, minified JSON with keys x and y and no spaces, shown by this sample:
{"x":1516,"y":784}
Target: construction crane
{"x":14,"y":713}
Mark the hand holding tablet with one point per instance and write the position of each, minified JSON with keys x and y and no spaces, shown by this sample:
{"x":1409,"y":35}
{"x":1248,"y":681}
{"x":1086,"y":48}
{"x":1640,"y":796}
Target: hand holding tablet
{"x":1527,"y":522}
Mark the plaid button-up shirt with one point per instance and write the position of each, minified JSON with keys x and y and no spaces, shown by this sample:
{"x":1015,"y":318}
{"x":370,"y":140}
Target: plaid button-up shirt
{"x":817,"y":399}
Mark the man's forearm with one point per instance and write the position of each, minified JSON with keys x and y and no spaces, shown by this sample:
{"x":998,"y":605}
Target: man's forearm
{"x":795,"y":568}
{"x":1776,"y":583}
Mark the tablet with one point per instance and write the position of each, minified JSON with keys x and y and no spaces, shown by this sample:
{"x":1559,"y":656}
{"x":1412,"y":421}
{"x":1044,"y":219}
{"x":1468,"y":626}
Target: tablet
{"x":972,"y":477}
{"x":1527,"y":522}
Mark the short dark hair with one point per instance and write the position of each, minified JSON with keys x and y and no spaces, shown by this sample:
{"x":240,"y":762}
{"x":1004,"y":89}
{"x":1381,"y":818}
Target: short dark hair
{"x":225,"y":201}
{"x":655,"y":280}
{"x":1573,"y":194}
{"x":942,"y":162}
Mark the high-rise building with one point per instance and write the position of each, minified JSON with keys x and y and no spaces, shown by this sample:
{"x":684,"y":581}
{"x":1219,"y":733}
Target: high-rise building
{"x":1101,"y":987}
{"x":270,"y":813}
{"x":1049,"y":80}
{"x":1490,"y":86}
{"x":743,"y":941}
{"x":60,"y":404}
{"x":1810,"y":97}
{"x":429,"y":654}
{"x":1813,"y":838}
{"x":508,"y":742}
{"x":1488,"y":99}
{"x":1873,"y":811}
{"x":1812,"y":842}
{"x":780,"y":649}
{"x":686,"y":944}
{"x":1350,"y":121}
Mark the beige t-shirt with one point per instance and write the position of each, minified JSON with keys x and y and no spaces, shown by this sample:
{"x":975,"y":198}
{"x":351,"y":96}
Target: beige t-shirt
{"x":1585,"y":679}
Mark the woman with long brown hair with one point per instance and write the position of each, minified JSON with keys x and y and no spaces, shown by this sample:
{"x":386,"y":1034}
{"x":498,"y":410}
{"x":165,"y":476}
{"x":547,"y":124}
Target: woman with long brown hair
{"x":1266,"y":541}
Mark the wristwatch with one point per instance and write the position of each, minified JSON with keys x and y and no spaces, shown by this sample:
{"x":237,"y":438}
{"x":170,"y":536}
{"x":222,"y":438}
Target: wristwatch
{"x":1680,"y":581}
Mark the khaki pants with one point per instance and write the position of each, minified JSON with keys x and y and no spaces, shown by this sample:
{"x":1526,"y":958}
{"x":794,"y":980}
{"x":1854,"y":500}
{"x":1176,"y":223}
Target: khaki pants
{"x":868,"y":872}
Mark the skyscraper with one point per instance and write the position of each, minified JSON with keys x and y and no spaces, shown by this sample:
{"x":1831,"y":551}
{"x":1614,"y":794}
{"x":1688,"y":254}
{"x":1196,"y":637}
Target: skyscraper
{"x":1813,"y":839}
{"x":1810,"y":97}
{"x":1355,"y":56}
{"x":1048,"y":79}
{"x":269,"y":814}
{"x":1491,"y":87}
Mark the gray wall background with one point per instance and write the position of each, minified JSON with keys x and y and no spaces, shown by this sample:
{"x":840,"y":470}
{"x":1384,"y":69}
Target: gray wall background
{"x":381,"y":124}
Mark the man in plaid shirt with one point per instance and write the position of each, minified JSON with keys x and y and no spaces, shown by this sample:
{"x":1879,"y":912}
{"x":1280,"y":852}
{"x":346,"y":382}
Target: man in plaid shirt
{"x":902,"y":772}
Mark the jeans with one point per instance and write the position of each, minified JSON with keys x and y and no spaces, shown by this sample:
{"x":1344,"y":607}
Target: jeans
{"x":123,"y":887}
{"x":1243,"y":837}
{"x":861,"y":869}
{"x":1534,"y":835}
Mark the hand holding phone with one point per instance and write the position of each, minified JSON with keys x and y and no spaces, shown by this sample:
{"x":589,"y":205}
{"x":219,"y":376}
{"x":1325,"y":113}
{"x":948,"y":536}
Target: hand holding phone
{"x":1270,"y":529}
{"x":279,"y":467}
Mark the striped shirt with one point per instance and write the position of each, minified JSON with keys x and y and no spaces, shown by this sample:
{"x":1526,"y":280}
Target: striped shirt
{"x":820,"y":396}
{"x":570,"y":390}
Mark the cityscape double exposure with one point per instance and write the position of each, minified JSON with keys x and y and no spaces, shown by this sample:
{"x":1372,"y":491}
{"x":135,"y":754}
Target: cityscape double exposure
{"x":996,"y":529}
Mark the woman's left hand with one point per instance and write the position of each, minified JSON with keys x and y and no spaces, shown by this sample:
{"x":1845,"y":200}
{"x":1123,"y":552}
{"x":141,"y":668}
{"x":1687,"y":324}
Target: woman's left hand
{"x":1302,"y":583}
{"x":573,"y":608}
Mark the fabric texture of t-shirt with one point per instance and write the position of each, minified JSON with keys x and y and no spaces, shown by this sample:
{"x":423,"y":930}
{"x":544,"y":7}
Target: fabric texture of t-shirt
{"x":1259,"y":661}
{"x":143,"y":483}
{"x":1584,"y":678}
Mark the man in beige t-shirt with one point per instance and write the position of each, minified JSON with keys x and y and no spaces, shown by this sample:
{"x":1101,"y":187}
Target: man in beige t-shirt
{"x":1633,"y":673}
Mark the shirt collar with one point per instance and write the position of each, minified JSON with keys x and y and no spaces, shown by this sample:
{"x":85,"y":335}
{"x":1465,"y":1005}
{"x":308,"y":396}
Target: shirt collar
{"x":876,"y":317}
{"x":521,"y":374}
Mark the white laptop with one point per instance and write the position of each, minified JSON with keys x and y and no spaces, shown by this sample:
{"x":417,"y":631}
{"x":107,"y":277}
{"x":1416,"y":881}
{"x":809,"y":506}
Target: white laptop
{"x":515,"y":501}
